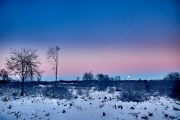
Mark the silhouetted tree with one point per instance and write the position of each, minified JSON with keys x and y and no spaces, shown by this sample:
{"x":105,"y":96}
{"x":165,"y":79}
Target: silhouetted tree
{"x":4,"y":74}
{"x":52,"y":55}
{"x":85,"y":76}
{"x":100,"y":76}
{"x":78,"y":78}
{"x":175,"y":91}
{"x":172,"y":76}
{"x":118,"y":78}
{"x":104,"y":81}
{"x":88,"y":76}
{"x":107,"y":77}
{"x":23,"y":62}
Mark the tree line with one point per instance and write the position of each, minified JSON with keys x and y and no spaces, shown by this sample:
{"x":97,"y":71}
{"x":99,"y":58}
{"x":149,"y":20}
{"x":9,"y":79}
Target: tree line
{"x":26,"y":63}
{"x":99,"y":76}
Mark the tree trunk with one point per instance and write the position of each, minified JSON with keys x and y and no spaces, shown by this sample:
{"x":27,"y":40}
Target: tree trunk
{"x":56,"y":73}
{"x":22,"y":88}
{"x":56,"y":66}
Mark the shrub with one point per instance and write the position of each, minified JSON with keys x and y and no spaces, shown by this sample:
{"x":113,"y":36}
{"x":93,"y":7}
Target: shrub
{"x":63,"y":111}
{"x":104,"y":114}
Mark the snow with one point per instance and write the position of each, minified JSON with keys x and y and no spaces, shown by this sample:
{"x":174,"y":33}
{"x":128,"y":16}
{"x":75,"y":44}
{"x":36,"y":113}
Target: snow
{"x":89,"y":107}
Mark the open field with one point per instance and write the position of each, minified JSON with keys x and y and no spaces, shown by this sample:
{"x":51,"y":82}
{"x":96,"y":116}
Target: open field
{"x":69,"y":101}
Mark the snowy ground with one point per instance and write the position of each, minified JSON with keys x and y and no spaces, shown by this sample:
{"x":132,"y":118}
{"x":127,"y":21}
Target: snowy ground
{"x":95,"y":106}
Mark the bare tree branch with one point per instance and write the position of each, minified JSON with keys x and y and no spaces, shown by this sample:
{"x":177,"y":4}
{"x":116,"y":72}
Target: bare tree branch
{"x":25,"y":63}
{"x":52,"y":56}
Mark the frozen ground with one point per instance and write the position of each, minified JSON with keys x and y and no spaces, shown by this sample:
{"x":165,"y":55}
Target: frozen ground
{"x":95,"y":106}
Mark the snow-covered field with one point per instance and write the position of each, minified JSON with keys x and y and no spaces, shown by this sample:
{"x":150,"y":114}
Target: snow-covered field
{"x":95,"y":106}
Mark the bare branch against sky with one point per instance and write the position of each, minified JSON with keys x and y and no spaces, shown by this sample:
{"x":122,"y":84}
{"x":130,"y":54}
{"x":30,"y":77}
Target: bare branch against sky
{"x":25,"y":63}
{"x":52,"y":55}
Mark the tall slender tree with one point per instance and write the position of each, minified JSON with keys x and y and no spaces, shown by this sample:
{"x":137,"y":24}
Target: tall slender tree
{"x":52,"y":56}
{"x":23,"y":62}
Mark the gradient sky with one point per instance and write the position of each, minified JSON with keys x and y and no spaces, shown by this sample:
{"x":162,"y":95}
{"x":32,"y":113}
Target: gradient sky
{"x":136,"y":38}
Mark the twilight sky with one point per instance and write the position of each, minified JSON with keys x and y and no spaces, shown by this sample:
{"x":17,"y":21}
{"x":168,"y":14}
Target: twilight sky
{"x":136,"y":38}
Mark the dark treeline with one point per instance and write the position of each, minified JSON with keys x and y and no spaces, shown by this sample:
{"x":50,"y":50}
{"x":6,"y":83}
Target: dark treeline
{"x":130,"y":90}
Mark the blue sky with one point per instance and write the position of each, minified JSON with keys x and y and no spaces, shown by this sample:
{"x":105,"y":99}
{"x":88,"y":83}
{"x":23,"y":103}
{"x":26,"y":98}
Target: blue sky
{"x":136,"y":38}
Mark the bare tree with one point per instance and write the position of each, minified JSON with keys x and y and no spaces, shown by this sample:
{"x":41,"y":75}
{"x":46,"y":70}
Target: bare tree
{"x":25,"y":63}
{"x":52,"y":55}
{"x":78,"y":78}
{"x":172,"y":76}
{"x":88,"y":76}
{"x":100,"y":76}
{"x":118,"y":78}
